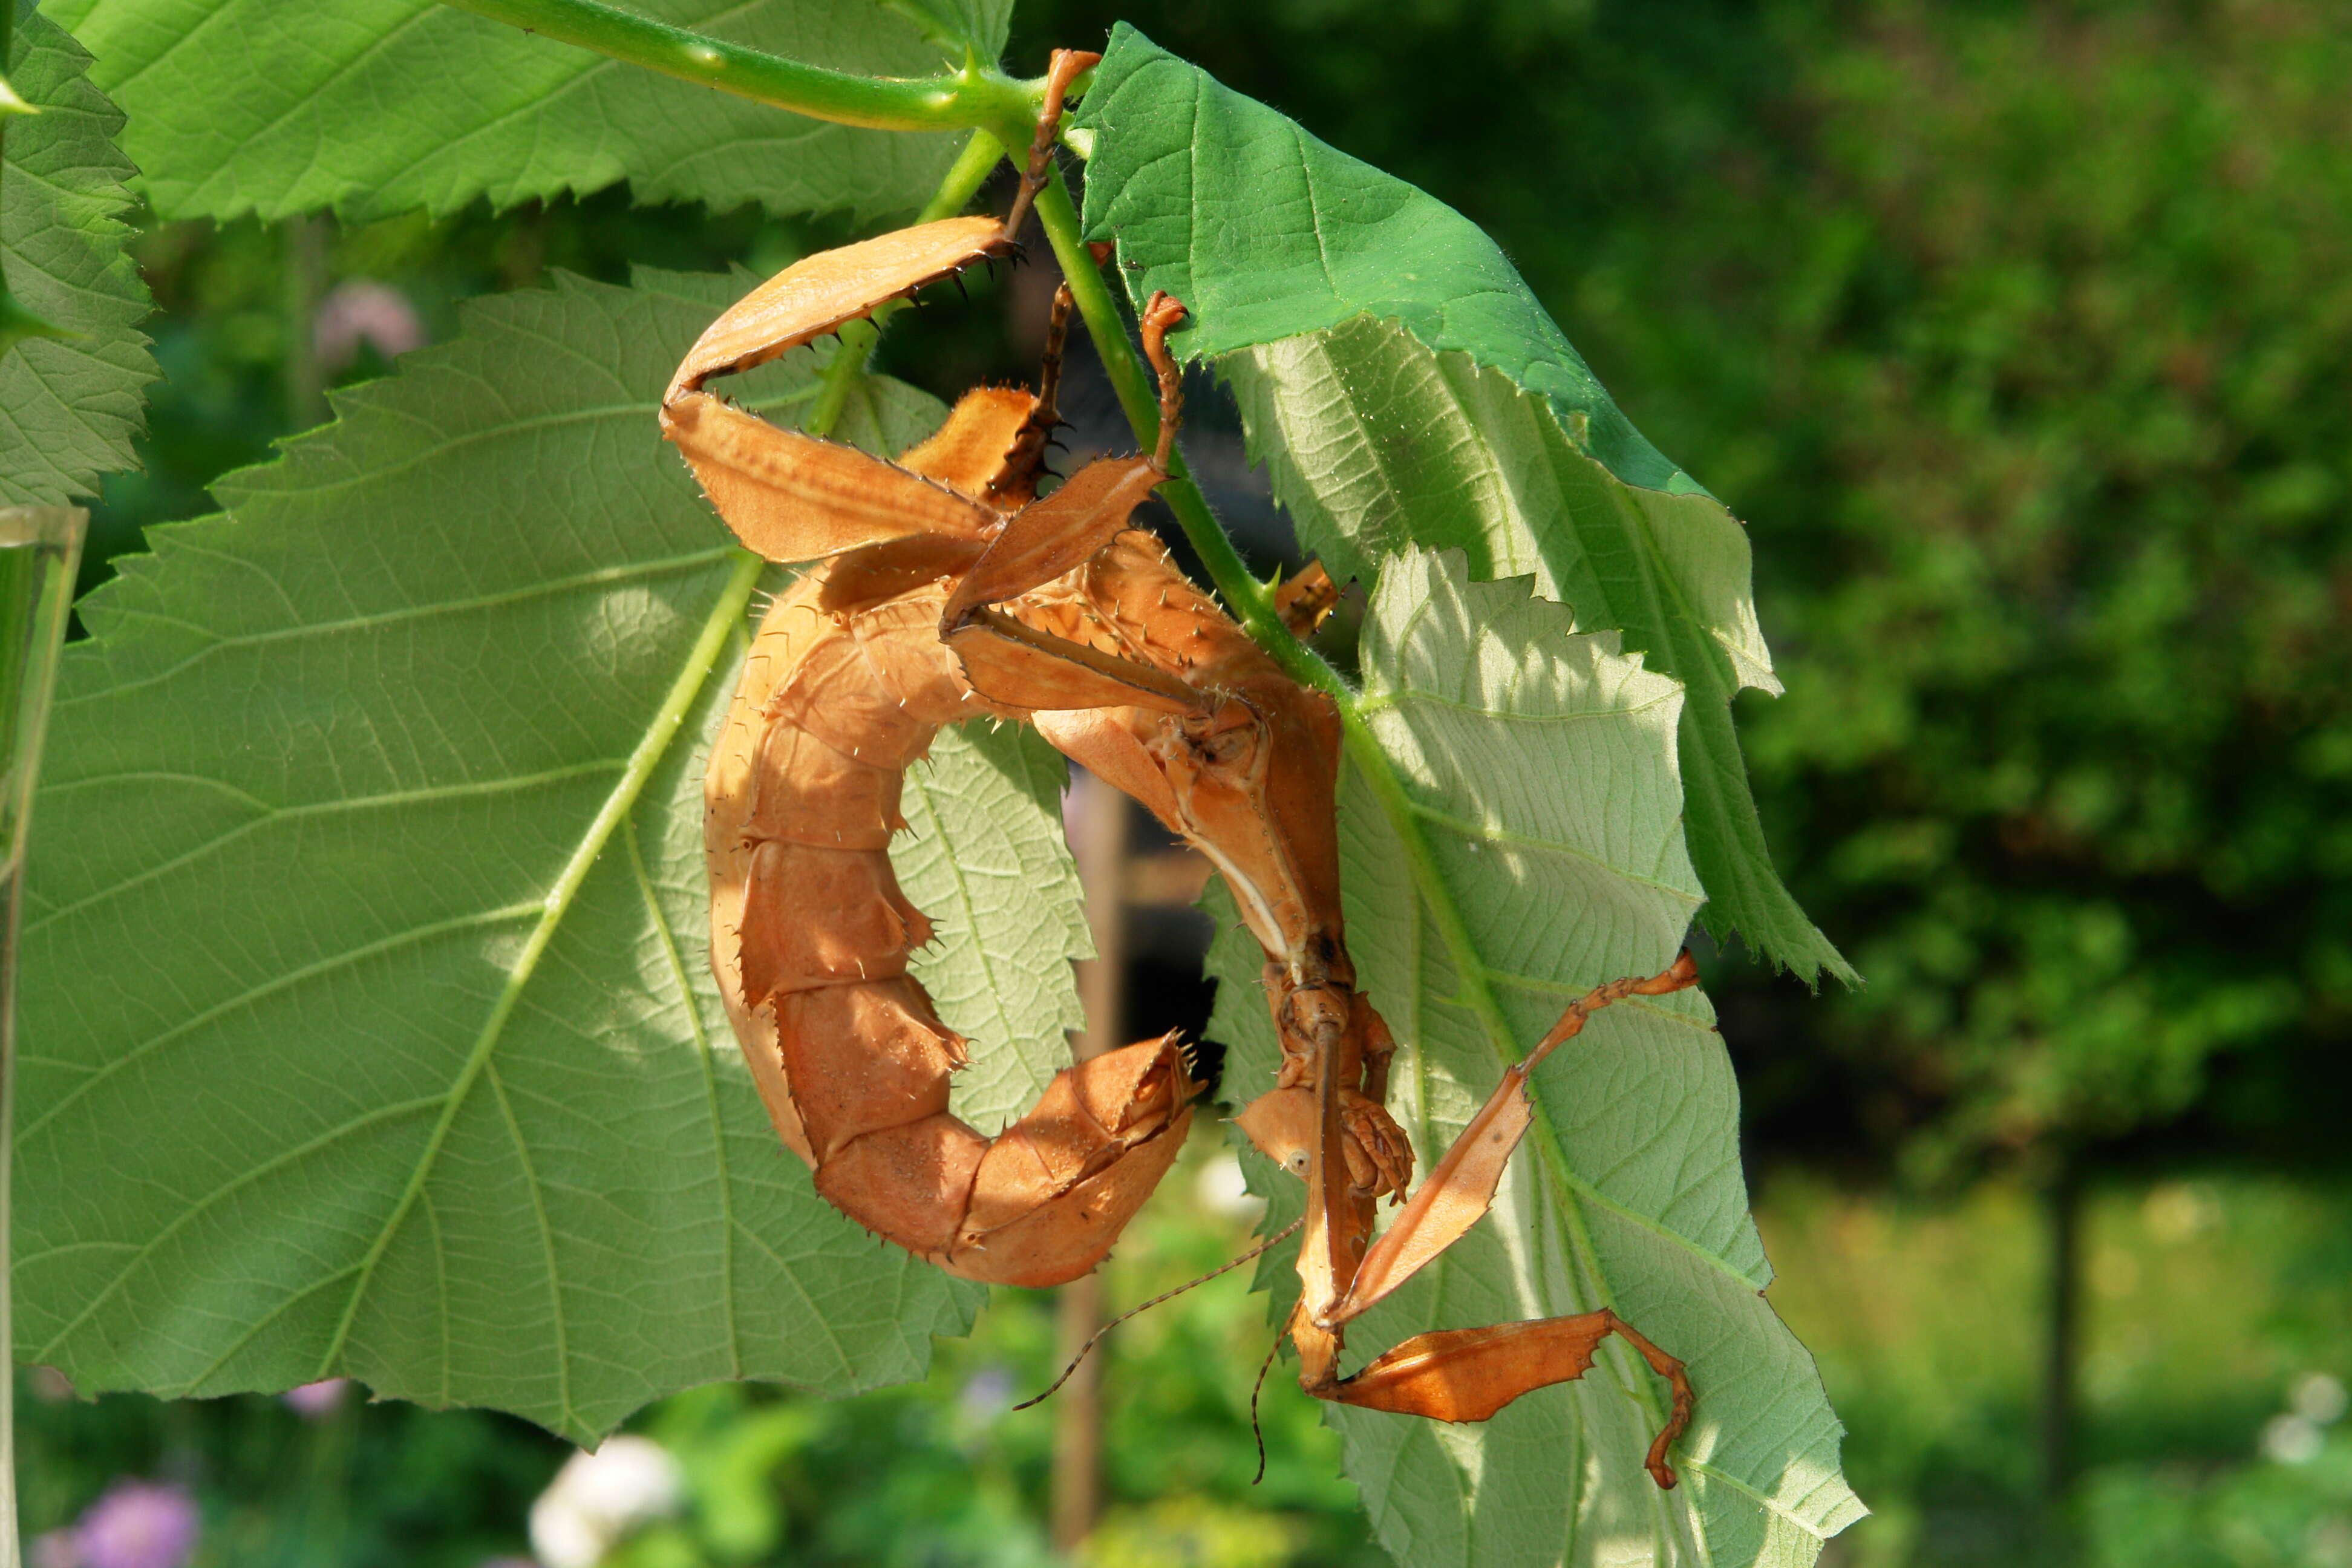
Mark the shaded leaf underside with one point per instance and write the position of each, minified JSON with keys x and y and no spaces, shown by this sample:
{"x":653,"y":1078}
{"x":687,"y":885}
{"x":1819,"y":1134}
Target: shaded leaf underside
{"x":410,"y":1066}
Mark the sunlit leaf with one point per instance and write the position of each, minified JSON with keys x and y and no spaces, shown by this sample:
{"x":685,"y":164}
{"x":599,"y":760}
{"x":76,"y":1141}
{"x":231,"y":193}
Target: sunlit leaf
{"x":1540,"y":769}
{"x":376,"y":107}
{"x":1401,"y":385}
{"x":367,"y":1023}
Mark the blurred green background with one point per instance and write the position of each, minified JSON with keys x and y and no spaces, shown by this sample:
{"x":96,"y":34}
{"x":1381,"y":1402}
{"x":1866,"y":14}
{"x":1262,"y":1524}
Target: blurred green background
{"x":2018,"y":334}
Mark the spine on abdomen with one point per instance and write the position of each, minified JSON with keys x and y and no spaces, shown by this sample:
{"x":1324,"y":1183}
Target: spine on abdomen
{"x":811,"y":936}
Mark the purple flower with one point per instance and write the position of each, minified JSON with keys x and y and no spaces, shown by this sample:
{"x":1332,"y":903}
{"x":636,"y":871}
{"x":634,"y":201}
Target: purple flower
{"x":137,"y":1524}
{"x":314,"y":1401}
{"x":987,"y":1395}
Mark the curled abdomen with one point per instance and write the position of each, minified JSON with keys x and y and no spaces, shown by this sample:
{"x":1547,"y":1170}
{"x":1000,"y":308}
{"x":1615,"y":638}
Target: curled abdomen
{"x":810,"y":941}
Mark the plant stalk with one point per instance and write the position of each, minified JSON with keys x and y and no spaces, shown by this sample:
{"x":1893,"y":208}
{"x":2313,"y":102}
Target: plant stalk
{"x":974,"y":95}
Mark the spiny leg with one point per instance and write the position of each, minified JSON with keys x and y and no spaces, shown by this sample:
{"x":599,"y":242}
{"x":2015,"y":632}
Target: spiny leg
{"x":1467,"y":1374}
{"x":1015,"y":481}
{"x":1161,"y":315}
{"x":1063,"y":69}
{"x":1048,"y":539}
{"x":1049,"y":366}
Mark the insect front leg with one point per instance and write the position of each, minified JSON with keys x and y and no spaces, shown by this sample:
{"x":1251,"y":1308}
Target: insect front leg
{"x":1022,"y":668}
{"x":1461,"y":1375}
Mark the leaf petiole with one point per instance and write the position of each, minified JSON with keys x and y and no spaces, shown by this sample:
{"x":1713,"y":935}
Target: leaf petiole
{"x":976,"y":95}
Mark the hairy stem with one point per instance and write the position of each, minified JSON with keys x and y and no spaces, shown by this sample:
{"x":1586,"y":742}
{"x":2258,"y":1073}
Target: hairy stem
{"x":971,"y":97}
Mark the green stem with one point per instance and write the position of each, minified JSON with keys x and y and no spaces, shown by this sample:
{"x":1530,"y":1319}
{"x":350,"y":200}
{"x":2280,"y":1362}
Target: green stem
{"x":973,"y":96}
{"x":858,"y":337}
{"x":1251,"y":604}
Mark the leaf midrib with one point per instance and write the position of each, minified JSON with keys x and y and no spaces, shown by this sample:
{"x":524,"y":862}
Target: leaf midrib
{"x":268,"y":815}
{"x":700,"y":660}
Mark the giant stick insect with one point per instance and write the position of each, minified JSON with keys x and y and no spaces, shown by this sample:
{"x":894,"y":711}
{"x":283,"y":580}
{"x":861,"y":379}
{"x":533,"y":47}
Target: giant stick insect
{"x":949,"y":590}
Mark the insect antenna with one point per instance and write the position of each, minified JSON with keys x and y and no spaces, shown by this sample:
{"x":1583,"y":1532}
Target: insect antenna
{"x":1281,"y":1236}
{"x":1257,"y":1388}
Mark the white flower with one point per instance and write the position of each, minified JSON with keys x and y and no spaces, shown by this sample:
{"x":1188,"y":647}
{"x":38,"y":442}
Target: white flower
{"x":598,"y":1498}
{"x":2292,"y":1441}
{"x":2317,"y":1398}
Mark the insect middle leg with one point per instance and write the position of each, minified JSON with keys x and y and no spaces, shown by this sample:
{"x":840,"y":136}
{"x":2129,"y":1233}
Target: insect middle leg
{"x":1468,"y":1375}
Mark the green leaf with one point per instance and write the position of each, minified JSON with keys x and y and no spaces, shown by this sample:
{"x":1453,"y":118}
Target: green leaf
{"x":365,"y":802}
{"x":376,"y":107}
{"x":952,"y":26}
{"x":987,"y":861}
{"x":1536,"y":850}
{"x":1400,"y":384}
{"x":69,"y":407}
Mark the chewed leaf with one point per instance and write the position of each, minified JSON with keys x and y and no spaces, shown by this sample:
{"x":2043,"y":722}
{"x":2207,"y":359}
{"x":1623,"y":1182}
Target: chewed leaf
{"x":391,"y":779}
{"x":1540,"y":852}
{"x":249,"y":106}
{"x":71,"y":403}
{"x":1403,"y":386}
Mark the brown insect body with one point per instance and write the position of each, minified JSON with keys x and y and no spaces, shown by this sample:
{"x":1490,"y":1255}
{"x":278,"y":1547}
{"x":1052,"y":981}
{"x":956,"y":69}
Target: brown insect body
{"x":845,"y":684}
{"x":947,"y":592}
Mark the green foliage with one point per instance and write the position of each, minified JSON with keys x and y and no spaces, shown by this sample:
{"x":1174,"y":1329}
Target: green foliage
{"x":2215,"y":1308}
{"x":1293,"y":259}
{"x":388,"y":776}
{"x":1627,"y":1192}
{"x":2020,"y":340}
{"x":2015,"y":334}
{"x":1894,"y":1294}
{"x":257,"y":106}
{"x":475,"y":1135}
{"x":2265,"y":1516}
{"x":72,"y":406}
